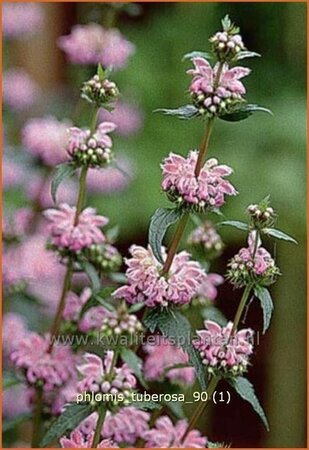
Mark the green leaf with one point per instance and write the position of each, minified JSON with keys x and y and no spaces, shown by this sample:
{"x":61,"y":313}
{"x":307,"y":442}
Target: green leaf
{"x":226,"y":22}
{"x":214,"y":314}
{"x":176,"y":408}
{"x":245,"y":389}
{"x":146,"y":405}
{"x":243,"y":113}
{"x":92,"y":275}
{"x":175,"y":326}
{"x":62,"y":171}
{"x":185,"y":112}
{"x":101,"y":72}
{"x":236,"y":224}
{"x":100,"y":299}
{"x":72,"y":415}
{"x":266,"y":303}
{"x":246,"y":54}
{"x":118,"y":277}
{"x":10,"y":424}
{"x":112,"y":234}
{"x":159,"y":223}
{"x":135,"y":363}
{"x":9,"y":380}
{"x":279,"y":235}
{"x":192,"y":55}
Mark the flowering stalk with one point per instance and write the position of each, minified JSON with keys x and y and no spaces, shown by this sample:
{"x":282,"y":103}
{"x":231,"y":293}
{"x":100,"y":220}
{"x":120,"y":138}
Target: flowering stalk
{"x":97,"y":434}
{"x":37,"y":418}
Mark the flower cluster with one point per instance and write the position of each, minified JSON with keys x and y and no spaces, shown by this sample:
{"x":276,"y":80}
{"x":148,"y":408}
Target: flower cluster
{"x":160,"y":359}
{"x":224,"y":353}
{"x":43,"y":368}
{"x":261,"y":215}
{"x":127,"y":425}
{"x":105,"y":257}
{"x":121,"y":322}
{"x":206,"y":240}
{"x":78,"y":440}
{"x":67,"y":234}
{"x":227,"y":44}
{"x":91,"y":149}
{"x":100,"y":376}
{"x":147,"y":284}
{"x":253,"y":264}
{"x":199,"y":193}
{"x":216,"y":91}
{"x":92,"y":44}
{"x":46,"y":138}
{"x":166,"y":435}
{"x":99,"y":91}
{"x":21,"y":19}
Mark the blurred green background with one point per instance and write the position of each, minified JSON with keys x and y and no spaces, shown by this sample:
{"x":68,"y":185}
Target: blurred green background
{"x":268,"y":155}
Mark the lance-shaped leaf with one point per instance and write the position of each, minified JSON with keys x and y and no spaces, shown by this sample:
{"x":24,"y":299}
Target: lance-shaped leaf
{"x":177,"y":328}
{"x":244,"y":112}
{"x":245,"y":390}
{"x":66,"y":422}
{"x":135,"y":363}
{"x":197,"y":54}
{"x":101,"y":298}
{"x":266,"y":303}
{"x":214,"y":314}
{"x":279,"y":235}
{"x":62,"y":171}
{"x":159,"y":223}
{"x":185,"y":112}
{"x":236,"y":224}
{"x":144,"y":405}
{"x":246,"y":54}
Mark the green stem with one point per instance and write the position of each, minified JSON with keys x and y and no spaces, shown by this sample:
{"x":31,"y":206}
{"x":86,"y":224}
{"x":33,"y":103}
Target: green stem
{"x":241,"y":307}
{"x":256,"y":242}
{"x":201,"y":406}
{"x":97,"y":433}
{"x":81,"y":193}
{"x":94,"y":120}
{"x":58,"y":317}
{"x":203,"y":147}
{"x":175,"y":242}
{"x":37,"y":418}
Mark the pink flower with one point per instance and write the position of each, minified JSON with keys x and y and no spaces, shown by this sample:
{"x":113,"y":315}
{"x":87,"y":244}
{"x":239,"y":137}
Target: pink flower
{"x":15,"y":401}
{"x":111,"y":180}
{"x":146,"y":284}
{"x":208,"y":289}
{"x":220,"y":351}
{"x":21,"y":19}
{"x":46,"y":138}
{"x":252,"y":264}
{"x":163,"y":355}
{"x":99,"y":376}
{"x":127,"y":425}
{"x":78,"y":440}
{"x":74,"y":304}
{"x":126,"y":116}
{"x":216,"y":95}
{"x":53,"y":368}
{"x":208,"y":190}
{"x":19,"y":91}
{"x":66,"y":235}
{"x":204,"y":76}
{"x":92,"y":44}
{"x":92,"y":149}
{"x":167,"y":435}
